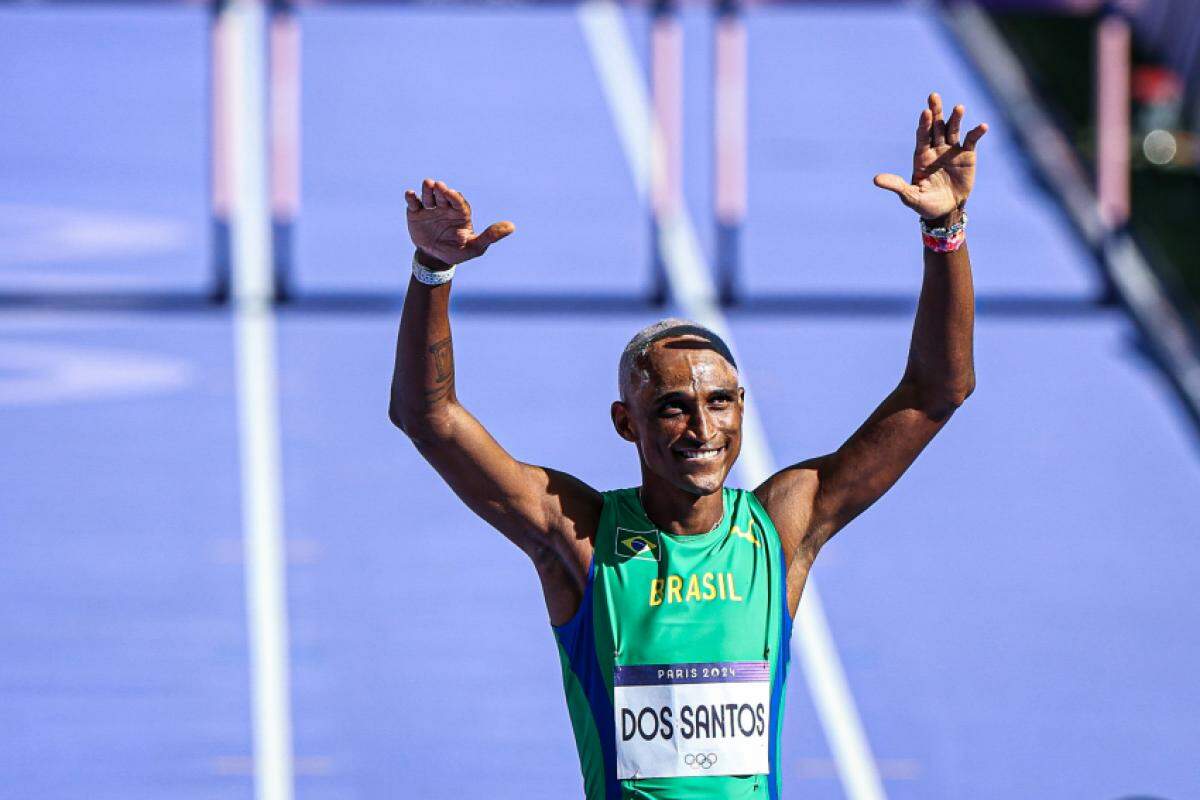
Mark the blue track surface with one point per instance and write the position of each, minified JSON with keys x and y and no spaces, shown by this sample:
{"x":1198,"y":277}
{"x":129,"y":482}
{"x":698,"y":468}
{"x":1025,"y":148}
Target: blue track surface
{"x":124,"y":668}
{"x":517,"y":113}
{"x":1016,"y":619}
{"x":103,"y":176}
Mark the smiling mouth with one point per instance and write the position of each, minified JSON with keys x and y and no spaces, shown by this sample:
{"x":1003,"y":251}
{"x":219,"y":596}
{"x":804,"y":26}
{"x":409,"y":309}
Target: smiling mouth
{"x":699,"y":454}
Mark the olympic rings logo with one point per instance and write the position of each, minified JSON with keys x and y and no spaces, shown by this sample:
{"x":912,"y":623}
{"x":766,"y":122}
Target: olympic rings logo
{"x":700,"y":760}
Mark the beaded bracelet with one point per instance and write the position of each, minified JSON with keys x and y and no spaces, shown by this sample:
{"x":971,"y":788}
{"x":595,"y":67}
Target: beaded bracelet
{"x":944,"y":240}
{"x":430,"y":277}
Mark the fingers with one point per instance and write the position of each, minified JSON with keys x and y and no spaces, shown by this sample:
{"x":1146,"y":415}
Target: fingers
{"x":493,"y":234}
{"x":939,"y":133}
{"x":893,"y":183}
{"x":411,"y":200}
{"x":953,"y":124}
{"x":974,"y":135}
{"x":439,"y":195}
{"x":456,"y":200}
{"x":939,"y":125}
{"x":436,"y":194}
{"x":924,"y":130}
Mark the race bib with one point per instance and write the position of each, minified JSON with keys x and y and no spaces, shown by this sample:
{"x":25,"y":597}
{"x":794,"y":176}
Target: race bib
{"x":677,"y":720}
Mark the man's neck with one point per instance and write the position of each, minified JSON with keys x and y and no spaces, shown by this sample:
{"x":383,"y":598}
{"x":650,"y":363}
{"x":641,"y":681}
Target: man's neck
{"x":676,"y":511}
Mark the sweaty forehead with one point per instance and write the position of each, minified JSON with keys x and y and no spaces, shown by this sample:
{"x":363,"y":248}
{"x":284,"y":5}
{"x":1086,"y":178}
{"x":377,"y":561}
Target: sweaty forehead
{"x":684,"y":364}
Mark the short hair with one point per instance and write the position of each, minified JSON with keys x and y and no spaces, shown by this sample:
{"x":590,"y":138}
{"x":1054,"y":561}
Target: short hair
{"x":668,"y":328}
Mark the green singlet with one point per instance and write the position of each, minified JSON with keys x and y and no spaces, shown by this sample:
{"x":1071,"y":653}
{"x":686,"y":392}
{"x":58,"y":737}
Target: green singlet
{"x":674,"y":665}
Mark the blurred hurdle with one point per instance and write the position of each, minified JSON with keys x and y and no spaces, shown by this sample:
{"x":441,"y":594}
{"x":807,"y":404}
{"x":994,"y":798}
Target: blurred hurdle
{"x":282,"y":114}
{"x":666,"y":199}
{"x":284,"y":141}
{"x":666,"y":151}
{"x":219,"y":189}
{"x":283,"y":130}
{"x":729,"y":137}
{"x":729,"y":143}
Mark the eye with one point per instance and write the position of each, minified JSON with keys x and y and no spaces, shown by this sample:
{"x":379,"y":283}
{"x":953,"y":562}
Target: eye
{"x":670,"y":410}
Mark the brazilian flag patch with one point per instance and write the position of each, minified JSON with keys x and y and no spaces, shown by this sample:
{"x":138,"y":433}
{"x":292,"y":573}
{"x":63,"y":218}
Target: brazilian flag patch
{"x":643,"y":545}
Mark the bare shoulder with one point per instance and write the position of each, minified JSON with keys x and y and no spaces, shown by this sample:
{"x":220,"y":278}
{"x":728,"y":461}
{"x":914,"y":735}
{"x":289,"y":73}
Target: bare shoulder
{"x":572,"y":512}
{"x":789,"y":497}
{"x":563,"y":554}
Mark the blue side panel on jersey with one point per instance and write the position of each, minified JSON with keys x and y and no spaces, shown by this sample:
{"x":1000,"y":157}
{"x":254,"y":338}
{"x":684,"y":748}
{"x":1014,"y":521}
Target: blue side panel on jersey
{"x":783,"y":657}
{"x":578,"y":640}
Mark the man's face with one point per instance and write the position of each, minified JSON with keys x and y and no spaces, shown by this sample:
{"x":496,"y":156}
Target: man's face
{"x":683,"y":409}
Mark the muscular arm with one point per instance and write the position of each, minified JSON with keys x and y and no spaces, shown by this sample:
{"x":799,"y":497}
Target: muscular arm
{"x":812,"y":500}
{"x":548,"y":514}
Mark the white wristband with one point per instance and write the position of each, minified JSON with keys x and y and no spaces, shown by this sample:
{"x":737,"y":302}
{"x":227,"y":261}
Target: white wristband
{"x":430,"y":277}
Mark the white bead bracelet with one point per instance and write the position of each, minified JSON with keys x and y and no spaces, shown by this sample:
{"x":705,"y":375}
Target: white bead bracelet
{"x":430,"y":277}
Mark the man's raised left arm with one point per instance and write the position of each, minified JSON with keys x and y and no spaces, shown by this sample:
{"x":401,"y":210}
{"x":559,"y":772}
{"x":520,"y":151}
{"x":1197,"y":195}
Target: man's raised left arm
{"x":810,"y":501}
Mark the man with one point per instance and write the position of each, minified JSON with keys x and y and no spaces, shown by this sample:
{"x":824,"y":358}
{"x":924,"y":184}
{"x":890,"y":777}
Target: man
{"x":672,"y":602}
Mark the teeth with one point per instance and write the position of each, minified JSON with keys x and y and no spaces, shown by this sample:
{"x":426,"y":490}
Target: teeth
{"x":700,"y":454}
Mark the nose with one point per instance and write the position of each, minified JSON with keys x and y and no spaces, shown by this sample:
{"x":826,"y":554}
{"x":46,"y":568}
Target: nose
{"x":702,"y":425}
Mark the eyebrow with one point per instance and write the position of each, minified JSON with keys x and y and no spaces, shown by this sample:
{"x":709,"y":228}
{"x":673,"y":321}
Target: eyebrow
{"x":680,"y":395}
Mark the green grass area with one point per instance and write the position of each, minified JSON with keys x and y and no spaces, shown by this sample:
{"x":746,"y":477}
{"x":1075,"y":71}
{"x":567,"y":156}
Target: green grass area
{"x":1058,"y":53}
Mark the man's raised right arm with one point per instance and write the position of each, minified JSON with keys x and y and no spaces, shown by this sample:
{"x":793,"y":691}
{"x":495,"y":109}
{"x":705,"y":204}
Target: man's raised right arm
{"x":548,"y":514}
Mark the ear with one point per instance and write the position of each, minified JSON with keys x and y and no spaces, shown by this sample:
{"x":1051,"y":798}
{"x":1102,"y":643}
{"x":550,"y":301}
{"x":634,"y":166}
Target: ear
{"x":622,"y":421}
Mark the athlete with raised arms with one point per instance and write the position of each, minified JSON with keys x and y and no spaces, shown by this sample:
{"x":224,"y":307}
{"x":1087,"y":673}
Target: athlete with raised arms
{"x":672,"y":602}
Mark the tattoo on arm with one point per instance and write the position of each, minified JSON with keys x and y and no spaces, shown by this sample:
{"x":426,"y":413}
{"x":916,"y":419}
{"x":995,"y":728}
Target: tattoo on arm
{"x":443,"y":359}
{"x":443,"y":363}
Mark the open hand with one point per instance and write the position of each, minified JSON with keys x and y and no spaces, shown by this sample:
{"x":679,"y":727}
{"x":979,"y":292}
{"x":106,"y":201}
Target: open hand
{"x":439,"y":222}
{"x":943,"y":170}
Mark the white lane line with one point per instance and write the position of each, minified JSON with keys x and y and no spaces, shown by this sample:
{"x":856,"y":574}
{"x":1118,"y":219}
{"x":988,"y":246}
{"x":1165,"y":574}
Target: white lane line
{"x":258,"y":406}
{"x":693,"y":290}
{"x":623,"y":87}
